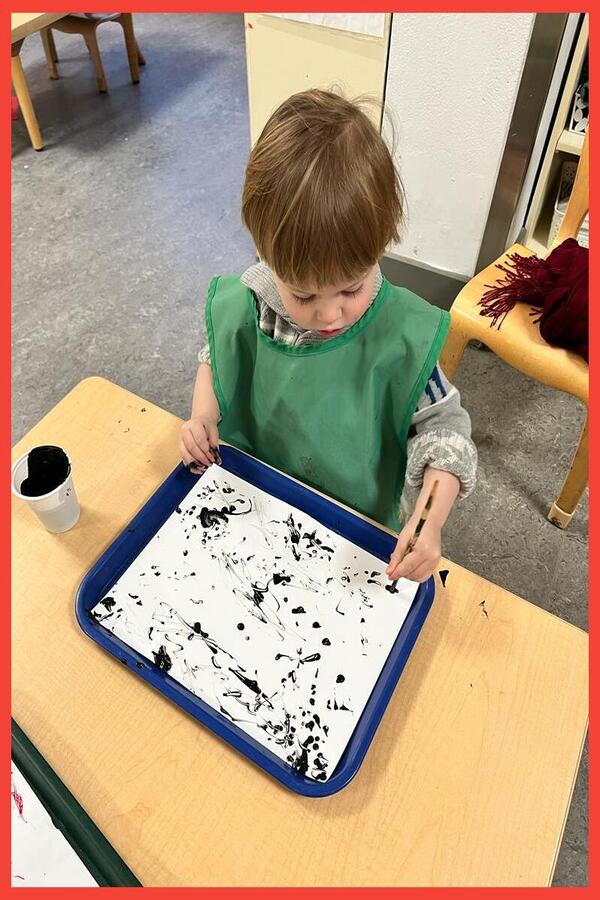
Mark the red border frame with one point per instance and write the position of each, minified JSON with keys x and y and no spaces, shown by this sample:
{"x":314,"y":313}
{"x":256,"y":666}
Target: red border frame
{"x":227,"y":7}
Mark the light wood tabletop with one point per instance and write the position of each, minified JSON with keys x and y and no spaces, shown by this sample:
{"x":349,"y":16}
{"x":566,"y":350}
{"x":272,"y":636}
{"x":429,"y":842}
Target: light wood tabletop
{"x":469,"y":777}
{"x":22,"y":24}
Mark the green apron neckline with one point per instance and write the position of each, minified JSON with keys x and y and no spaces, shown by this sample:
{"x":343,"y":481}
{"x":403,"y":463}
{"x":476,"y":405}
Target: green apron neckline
{"x":332,"y":343}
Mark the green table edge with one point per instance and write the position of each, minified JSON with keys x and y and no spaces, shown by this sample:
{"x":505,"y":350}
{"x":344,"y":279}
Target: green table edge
{"x":86,"y":839}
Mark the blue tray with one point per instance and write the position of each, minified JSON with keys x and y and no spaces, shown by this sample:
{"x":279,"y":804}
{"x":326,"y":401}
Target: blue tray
{"x":119,"y":556}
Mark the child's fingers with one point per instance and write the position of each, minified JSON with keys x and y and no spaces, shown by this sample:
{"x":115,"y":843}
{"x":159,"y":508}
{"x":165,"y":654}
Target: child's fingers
{"x":409,"y":564}
{"x":422,"y":573}
{"x":193,"y":465}
{"x":200,"y":436}
{"x":419,"y":566}
{"x":201,"y":439}
{"x":197,"y":468}
{"x":397,"y":554}
{"x":196,"y":452}
{"x":213,"y":435}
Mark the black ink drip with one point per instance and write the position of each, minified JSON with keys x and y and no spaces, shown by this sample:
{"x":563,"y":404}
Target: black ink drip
{"x":162,"y":658}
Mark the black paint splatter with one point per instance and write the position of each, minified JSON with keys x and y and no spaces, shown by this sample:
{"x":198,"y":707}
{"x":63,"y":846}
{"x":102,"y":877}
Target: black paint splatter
{"x":281,"y":579}
{"x":294,"y":535}
{"x":300,"y":762}
{"x":210,"y":517}
{"x":249,"y":682}
{"x":443,"y":576}
{"x":162,"y":658}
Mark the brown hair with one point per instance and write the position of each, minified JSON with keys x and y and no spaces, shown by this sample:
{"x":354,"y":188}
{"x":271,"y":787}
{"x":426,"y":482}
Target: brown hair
{"x":322,"y":198}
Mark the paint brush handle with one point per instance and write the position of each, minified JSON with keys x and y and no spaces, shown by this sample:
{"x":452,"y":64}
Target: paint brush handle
{"x":423,"y":518}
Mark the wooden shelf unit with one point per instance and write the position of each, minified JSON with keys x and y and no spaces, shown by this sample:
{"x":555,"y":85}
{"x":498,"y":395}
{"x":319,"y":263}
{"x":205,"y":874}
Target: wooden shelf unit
{"x":562,"y":145}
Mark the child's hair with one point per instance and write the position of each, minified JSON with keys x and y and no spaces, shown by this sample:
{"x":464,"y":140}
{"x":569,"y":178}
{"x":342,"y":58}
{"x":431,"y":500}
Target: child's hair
{"x":322,"y":197}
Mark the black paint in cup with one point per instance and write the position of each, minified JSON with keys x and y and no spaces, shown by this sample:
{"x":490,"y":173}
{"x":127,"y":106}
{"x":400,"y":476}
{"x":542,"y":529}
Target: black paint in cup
{"x":47,"y":468}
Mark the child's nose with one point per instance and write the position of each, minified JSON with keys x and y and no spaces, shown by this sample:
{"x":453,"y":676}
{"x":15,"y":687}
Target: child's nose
{"x":329,"y":315}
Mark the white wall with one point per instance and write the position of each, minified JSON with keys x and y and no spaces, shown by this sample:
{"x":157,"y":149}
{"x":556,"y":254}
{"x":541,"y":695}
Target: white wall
{"x":284,"y":56}
{"x":451,"y":86}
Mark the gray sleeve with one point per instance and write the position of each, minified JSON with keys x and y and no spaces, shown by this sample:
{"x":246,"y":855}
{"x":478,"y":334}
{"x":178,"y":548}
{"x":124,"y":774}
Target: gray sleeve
{"x":440,"y":436}
{"x":204,"y":354}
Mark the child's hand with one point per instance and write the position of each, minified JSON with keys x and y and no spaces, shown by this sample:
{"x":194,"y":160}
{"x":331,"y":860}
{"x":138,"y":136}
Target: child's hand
{"x":424,"y":559}
{"x":199,"y":441}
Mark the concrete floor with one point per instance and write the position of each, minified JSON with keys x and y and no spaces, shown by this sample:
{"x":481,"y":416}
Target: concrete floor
{"x":118,"y":227}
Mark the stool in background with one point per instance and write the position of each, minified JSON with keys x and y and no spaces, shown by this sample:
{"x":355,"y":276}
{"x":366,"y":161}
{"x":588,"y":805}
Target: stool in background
{"x":86,"y":24}
{"x":520,"y":344}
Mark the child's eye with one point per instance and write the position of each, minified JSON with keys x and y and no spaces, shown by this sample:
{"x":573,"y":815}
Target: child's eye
{"x":303,"y":299}
{"x":354,"y":292}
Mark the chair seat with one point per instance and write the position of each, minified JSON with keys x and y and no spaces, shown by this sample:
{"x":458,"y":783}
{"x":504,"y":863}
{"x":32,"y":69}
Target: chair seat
{"x":518,"y":341}
{"x":80,"y":23}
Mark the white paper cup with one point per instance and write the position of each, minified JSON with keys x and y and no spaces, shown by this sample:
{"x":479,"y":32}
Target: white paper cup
{"x":58,"y":510}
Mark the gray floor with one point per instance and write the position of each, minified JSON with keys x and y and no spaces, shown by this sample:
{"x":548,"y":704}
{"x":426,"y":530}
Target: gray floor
{"x":118,"y":227}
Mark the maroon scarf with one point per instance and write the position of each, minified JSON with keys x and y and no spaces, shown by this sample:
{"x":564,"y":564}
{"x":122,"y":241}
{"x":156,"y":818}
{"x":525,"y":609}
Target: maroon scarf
{"x":558,"y":284}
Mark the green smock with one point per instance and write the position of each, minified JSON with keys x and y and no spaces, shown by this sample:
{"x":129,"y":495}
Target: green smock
{"x":336,"y":414}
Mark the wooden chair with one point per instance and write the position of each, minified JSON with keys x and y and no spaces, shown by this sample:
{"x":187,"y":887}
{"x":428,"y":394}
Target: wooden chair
{"x":86,"y":24}
{"x":519,"y":342}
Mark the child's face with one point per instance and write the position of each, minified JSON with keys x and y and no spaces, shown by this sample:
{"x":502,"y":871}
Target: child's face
{"x":327,"y":310}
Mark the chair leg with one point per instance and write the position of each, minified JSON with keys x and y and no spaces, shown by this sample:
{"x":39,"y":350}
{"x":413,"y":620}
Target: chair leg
{"x":52,"y":45}
{"x":91,"y":40}
{"x":141,"y":58}
{"x":131,"y":46}
{"x":453,"y":350}
{"x":563,"y":508}
{"x":50,"y":52}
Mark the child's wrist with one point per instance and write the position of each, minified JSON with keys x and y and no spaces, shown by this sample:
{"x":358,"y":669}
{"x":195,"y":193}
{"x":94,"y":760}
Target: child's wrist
{"x":436,"y":522}
{"x":206,"y":416}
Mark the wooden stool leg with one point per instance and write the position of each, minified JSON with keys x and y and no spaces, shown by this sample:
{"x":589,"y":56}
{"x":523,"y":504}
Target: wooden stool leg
{"x":52,"y":45}
{"x":22,"y":91}
{"x":563,"y":508}
{"x":453,"y":350}
{"x":50,"y":52}
{"x":91,"y":39}
{"x":141,"y":58}
{"x":131,"y":46}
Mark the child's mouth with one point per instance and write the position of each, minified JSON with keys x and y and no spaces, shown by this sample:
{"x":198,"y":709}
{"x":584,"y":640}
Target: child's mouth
{"x":330,"y":332}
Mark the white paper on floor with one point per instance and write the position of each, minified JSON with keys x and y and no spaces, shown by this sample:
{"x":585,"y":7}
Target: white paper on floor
{"x":41,"y":856}
{"x":277,"y":623}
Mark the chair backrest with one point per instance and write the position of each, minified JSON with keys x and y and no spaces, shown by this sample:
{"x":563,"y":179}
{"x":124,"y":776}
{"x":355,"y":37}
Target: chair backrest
{"x":579,"y":201}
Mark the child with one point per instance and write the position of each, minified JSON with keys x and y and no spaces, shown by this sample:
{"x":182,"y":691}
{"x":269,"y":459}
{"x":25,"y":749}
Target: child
{"x":316,"y":364}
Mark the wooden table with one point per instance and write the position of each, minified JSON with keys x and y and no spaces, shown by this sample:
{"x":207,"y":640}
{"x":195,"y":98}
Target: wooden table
{"x":467,"y":782}
{"x":22,"y":25}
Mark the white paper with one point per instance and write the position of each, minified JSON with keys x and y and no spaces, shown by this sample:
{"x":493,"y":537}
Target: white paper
{"x":276,"y":622}
{"x":372,"y":24}
{"x":40,"y":854}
